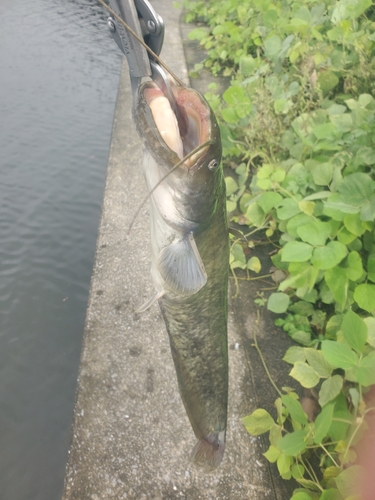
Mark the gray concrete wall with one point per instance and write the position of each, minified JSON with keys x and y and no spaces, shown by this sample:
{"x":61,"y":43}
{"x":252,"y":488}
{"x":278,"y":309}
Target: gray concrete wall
{"x":131,"y":438}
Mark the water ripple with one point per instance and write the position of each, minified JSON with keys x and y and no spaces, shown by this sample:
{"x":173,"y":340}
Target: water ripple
{"x":58,"y":80}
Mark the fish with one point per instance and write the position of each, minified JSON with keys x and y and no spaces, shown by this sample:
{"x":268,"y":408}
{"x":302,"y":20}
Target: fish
{"x":189,"y":252}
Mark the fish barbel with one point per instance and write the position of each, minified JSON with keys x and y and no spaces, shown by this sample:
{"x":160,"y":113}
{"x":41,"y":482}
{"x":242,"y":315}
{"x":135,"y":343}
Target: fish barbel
{"x":190,"y":253}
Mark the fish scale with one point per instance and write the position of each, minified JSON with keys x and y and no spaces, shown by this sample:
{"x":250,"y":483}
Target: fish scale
{"x":189,"y":232}
{"x":196,"y":320}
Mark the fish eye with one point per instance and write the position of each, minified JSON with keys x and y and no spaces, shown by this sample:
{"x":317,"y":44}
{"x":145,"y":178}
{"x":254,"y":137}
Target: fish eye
{"x":213,"y":164}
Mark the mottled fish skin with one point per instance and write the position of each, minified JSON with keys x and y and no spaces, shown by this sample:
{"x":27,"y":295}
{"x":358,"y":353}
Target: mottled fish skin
{"x":189,"y":206}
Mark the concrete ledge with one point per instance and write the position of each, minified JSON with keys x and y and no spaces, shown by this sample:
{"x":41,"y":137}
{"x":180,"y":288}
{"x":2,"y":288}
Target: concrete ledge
{"x":131,"y":437}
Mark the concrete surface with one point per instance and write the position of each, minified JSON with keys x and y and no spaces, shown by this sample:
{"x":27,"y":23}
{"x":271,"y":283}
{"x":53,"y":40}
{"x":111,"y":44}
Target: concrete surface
{"x":131,"y":438}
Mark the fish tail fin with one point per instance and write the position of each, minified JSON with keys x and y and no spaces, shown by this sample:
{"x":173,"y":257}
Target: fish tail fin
{"x":209,"y":450}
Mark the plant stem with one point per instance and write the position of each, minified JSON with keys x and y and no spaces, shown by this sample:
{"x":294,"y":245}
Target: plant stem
{"x":330,"y":456}
{"x":262,"y":358}
{"x":256,"y":278}
{"x":312,"y":446}
{"x":342,"y":420}
{"x":350,"y":441}
{"x":236,"y":282}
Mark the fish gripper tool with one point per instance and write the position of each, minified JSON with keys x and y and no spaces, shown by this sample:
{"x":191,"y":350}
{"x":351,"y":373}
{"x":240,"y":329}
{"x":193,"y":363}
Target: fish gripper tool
{"x":149,"y":26}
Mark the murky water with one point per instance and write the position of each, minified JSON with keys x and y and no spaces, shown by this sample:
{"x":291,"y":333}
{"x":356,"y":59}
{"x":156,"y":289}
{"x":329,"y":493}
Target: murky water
{"x":59,"y":73}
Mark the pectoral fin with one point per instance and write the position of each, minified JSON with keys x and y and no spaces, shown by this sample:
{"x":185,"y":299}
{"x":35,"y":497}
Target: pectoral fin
{"x":181,"y":266}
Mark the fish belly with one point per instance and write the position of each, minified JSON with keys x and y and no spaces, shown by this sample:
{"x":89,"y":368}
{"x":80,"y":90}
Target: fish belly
{"x":197,"y":328}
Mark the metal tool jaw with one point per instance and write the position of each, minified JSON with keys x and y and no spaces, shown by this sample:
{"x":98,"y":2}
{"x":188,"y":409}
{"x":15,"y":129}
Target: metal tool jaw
{"x":147,"y":24}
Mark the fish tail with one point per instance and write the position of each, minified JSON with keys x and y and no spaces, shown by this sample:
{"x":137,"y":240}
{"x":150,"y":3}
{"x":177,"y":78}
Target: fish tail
{"x":209,"y":450}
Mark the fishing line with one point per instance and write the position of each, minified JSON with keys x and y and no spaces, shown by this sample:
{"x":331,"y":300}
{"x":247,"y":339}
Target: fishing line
{"x":189,"y":155}
{"x":142,"y":42}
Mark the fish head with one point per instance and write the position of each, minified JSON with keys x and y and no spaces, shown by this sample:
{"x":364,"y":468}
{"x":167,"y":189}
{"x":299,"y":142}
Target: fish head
{"x":170,"y":135}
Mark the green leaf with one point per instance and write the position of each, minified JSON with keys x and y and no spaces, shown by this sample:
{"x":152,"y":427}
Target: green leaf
{"x":298,"y":471}
{"x":348,"y":480}
{"x":307,"y":207}
{"x":278,"y":175}
{"x":324,"y":130}
{"x":296,"y":251}
{"x":327,"y":80}
{"x":330,"y":389}
{"x":339,"y":355}
{"x":371,"y":267}
{"x":287,"y":209}
{"x":247,"y":64}
{"x":197,"y":34}
{"x":353,"y":224}
{"x":365,"y":372}
{"x":301,"y":495}
{"x":235,"y":94}
{"x":368,"y":209}
{"x":311,"y":485}
{"x":295,"y":409}
{"x":272,"y":454}
{"x":331,"y":494}
{"x":323,"y":423}
{"x":282,"y":106}
{"x":294,"y":443}
{"x":305,"y":374}
{"x":345,"y":237}
{"x":301,"y":337}
{"x":237,"y":258}
{"x":259,"y":422}
{"x":333,"y":325}
{"x":302,"y":308}
{"x":275,"y":434}
{"x":354,"y":394}
{"x":254,"y":264}
{"x":295,"y":222}
{"x":315,"y":232}
{"x":255,"y":214}
{"x":278,"y":302}
{"x":231,"y":185}
{"x":339,"y":430}
{"x":336,"y":205}
{"x":354,"y":269}
{"x":337,"y":282}
{"x":265,"y":171}
{"x":296,"y":353}
{"x":329,"y":256}
{"x":322,"y":174}
{"x":269,"y":200}
{"x":364,"y":295}
{"x":231,"y":206}
{"x":370,"y":323}
{"x":307,"y":294}
{"x":272,"y":47}
{"x":284,"y":462}
{"x":318,"y":363}
{"x":354,"y":330}
{"x":356,"y":188}
{"x":356,"y":8}
{"x":229,"y":114}
{"x":320,"y":195}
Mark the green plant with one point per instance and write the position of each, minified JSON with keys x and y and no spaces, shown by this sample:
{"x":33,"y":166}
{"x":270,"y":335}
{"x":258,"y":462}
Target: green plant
{"x":298,"y":129}
{"x":343,"y":370}
{"x":283,"y":57}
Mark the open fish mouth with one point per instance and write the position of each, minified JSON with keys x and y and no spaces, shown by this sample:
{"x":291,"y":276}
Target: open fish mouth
{"x":183,"y":128}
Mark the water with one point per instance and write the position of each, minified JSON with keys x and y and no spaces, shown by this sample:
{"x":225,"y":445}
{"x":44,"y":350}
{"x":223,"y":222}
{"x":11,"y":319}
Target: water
{"x":59,"y":73}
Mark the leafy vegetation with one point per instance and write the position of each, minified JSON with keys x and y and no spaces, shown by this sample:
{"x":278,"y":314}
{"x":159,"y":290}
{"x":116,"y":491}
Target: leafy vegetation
{"x":298,"y":128}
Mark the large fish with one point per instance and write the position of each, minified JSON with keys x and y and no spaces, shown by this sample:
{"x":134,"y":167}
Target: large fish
{"x":190,"y":252}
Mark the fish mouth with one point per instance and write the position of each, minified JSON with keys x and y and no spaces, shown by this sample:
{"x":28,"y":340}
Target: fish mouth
{"x":182,"y":126}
